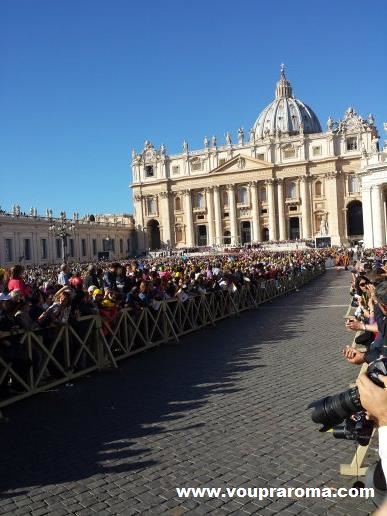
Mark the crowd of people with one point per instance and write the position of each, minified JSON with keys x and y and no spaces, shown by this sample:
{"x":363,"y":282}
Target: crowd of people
{"x":42,"y":297}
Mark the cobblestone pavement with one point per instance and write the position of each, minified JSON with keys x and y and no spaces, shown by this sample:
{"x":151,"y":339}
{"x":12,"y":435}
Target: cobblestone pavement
{"x":224,"y":407}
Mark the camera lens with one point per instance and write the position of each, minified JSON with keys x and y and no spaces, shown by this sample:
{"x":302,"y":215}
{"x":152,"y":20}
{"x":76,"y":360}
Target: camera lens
{"x":332,"y":410}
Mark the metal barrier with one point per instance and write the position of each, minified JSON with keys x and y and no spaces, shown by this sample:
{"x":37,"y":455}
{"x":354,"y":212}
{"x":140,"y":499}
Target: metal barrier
{"x":34,"y":361}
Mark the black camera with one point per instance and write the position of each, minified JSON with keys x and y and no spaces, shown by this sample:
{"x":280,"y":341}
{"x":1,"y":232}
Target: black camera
{"x":356,"y":428}
{"x":333,"y":410}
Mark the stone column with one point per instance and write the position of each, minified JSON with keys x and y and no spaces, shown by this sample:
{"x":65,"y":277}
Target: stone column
{"x":210,"y":215}
{"x":255,"y":211}
{"x":272,"y":213}
{"x":281,"y":210}
{"x":218,"y":216}
{"x":332,"y":207}
{"x":139,"y":216}
{"x":377,"y":216}
{"x":367,"y":217}
{"x":166,"y":218}
{"x":233,"y":214}
{"x":189,"y":226}
{"x":305,"y":206}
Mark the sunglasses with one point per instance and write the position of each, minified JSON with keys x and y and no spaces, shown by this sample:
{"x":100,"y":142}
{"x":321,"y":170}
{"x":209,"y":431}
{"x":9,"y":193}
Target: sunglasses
{"x":362,"y":284}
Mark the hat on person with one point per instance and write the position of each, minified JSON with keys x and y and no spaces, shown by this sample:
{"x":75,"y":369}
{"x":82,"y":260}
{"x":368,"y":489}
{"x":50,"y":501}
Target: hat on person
{"x":106,"y":303}
{"x":97,"y":292}
{"x":91,"y":289}
{"x":16,"y":295}
{"x":4,"y":297}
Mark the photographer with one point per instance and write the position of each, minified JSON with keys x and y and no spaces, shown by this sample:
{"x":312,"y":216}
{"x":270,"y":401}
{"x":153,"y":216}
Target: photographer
{"x":379,"y":326}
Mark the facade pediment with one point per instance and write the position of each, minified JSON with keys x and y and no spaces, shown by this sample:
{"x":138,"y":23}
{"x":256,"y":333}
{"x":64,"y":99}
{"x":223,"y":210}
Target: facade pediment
{"x":239,"y":163}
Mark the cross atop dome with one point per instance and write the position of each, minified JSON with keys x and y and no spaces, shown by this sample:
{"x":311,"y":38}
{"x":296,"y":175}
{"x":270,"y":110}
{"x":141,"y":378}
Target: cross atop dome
{"x":283,"y":87}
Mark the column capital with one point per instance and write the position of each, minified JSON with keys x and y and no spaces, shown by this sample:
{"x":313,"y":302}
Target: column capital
{"x":269,"y":181}
{"x":208,"y":189}
{"x":164,"y":195}
{"x":303,"y":179}
{"x":230,"y":187}
{"x":332,"y":174}
{"x":252,"y":183}
{"x":138,"y":197}
{"x":185,"y":192}
{"x":216,"y":188}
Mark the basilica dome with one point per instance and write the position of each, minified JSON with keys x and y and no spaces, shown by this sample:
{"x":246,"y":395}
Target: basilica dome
{"x":286,"y":114}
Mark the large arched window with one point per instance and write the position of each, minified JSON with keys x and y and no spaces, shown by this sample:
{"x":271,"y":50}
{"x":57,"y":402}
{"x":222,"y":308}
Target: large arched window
{"x":353,"y":184}
{"x":178,"y":204}
{"x":242,"y":195}
{"x":152,"y":206}
{"x":291,"y":190}
{"x":263,"y":194}
{"x":225,"y":198}
{"x":199,"y":200}
{"x":318,"y":189}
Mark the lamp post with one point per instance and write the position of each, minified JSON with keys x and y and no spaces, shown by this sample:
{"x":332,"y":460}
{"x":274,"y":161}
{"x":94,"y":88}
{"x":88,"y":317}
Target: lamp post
{"x":62,"y":228}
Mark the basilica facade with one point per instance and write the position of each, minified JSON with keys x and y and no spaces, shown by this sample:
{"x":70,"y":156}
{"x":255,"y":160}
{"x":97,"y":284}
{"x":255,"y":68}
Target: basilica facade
{"x":285,"y":179}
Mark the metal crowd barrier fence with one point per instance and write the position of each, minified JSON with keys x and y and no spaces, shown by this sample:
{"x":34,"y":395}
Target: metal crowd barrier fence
{"x":35,"y":361}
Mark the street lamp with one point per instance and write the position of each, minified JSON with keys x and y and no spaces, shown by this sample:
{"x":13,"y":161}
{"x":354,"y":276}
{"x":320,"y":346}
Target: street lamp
{"x":62,"y":228}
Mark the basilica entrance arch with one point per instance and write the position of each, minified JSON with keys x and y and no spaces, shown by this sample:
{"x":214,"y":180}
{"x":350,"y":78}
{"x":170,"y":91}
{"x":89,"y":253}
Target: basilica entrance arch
{"x":355,"y":219}
{"x":201,"y":235}
{"x":245,"y":232}
{"x":294,"y":228}
{"x":153,"y":228}
{"x":227,"y":237}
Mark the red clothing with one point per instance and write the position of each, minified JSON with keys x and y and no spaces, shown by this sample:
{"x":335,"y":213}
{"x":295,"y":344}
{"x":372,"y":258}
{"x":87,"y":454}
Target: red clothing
{"x":18,"y":284}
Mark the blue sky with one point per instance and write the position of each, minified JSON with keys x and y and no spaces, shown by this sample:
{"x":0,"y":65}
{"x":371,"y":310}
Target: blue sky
{"x":83,"y":82}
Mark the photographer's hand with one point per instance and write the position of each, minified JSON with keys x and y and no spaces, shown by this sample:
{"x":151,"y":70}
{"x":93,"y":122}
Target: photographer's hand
{"x":353,"y":355}
{"x":373,"y":398}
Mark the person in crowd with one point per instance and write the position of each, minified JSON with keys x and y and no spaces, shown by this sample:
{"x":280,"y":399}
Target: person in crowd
{"x":64,"y":276}
{"x":16,"y":281}
{"x":91,"y":278}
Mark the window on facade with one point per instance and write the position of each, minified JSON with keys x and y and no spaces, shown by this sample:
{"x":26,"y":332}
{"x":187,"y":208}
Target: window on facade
{"x":242,"y":197}
{"x":121,"y":245}
{"x":151,"y":206}
{"x":149,"y":172}
{"x":317,"y":151}
{"x":113,"y":245}
{"x":261,"y":157}
{"x":179,"y":234}
{"x":106,"y":244}
{"x":196,"y":164}
{"x":263,"y":211}
{"x":178,"y":204}
{"x":291,"y":190}
{"x":351,"y":143}
{"x":353,"y":184}
{"x":8,"y":250}
{"x":318,"y":189}
{"x":58,"y":248}
{"x":199,"y":200}
{"x":94,"y":245}
{"x":27,"y":249}
{"x":293,"y":208}
{"x":83,"y":246}
{"x":175,"y":169}
{"x":72,"y":248}
{"x":222,"y":161}
{"x":225,"y":198}
{"x":289,"y":153}
{"x":263,"y":194}
{"x":43,"y":248}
